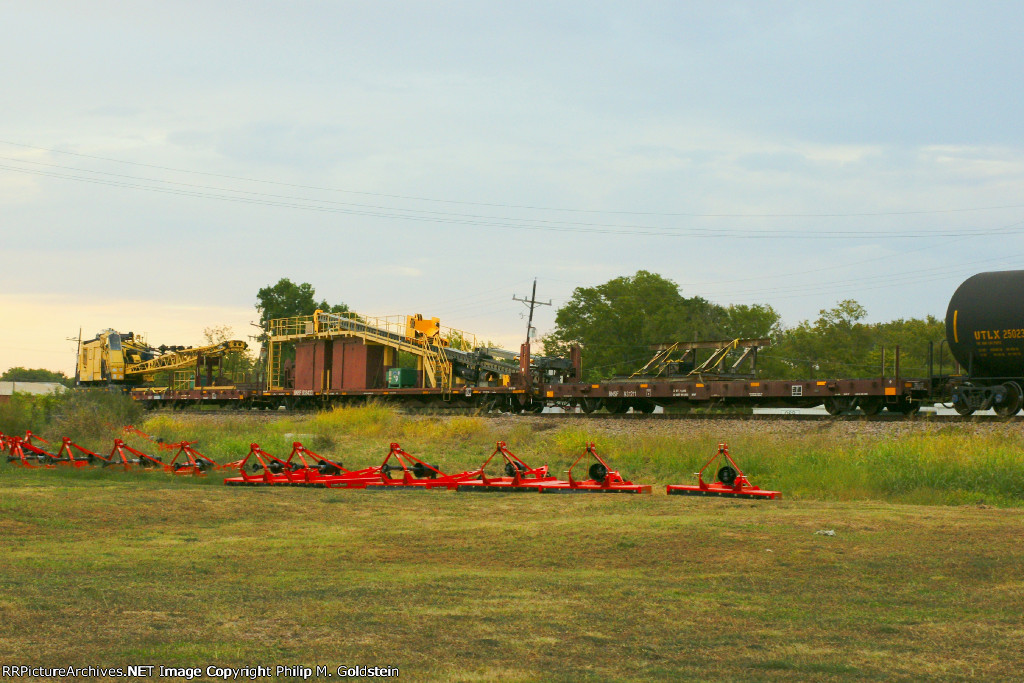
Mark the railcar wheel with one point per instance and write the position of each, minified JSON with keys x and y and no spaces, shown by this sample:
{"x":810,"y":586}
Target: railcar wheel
{"x":589,"y":405}
{"x":617,"y":406}
{"x":904,"y":407}
{"x":962,"y":408}
{"x":832,"y":406}
{"x":644,"y":406}
{"x":1012,"y":402}
{"x":871,"y":405}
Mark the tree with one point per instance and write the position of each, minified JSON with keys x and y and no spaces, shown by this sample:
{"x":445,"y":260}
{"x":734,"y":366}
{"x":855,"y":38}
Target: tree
{"x":616,"y":322}
{"x":236,"y":365}
{"x":20,"y":374}
{"x":288,"y":300}
{"x":839,"y":345}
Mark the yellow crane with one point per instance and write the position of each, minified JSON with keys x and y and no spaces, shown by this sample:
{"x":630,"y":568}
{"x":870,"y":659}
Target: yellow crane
{"x":125,"y":358}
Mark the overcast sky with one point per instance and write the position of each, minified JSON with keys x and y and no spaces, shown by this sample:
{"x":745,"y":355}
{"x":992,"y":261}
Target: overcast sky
{"x":160,"y":162}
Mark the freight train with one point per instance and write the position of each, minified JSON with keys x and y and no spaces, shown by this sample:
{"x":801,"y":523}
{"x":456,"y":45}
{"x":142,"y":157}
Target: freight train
{"x":327,"y":359}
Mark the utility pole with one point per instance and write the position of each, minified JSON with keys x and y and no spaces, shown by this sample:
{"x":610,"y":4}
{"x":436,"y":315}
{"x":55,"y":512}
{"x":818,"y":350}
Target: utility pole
{"x":78,"y":354}
{"x":532,"y":301}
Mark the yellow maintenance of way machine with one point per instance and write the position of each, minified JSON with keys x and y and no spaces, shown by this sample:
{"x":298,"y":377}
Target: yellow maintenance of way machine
{"x":116,"y":358}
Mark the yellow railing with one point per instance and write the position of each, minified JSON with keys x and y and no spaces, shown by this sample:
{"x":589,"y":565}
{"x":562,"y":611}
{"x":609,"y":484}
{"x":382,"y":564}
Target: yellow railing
{"x":322,"y":324}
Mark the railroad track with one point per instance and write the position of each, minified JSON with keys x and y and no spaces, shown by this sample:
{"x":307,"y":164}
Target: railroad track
{"x":780,"y":417}
{"x":267,"y":415}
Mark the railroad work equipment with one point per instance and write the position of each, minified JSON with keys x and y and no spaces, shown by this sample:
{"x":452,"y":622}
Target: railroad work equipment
{"x":125,"y":358}
{"x":346,"y":358}
{"x":732,"y":483}
{"x":415,"y":473}
{"x":603,"y":479}
{"x":518,"y":476}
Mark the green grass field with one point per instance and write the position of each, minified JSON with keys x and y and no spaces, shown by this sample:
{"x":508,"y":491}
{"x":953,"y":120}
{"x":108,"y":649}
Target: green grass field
{"x":113,"y":568}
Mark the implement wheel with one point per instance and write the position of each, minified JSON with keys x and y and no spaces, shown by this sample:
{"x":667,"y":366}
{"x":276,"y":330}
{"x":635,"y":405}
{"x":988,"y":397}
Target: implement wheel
{"x":598,"y":472}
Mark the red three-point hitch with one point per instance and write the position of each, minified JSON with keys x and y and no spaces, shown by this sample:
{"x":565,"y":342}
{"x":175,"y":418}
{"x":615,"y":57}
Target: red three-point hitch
{"x":732,"y":483}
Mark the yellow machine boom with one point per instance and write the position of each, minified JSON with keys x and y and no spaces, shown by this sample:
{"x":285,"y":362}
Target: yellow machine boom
{"x":116,"y":358}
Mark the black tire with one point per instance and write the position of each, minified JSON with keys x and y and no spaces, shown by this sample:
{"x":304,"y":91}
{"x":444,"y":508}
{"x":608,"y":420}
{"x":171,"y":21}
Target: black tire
{"x":727,"y":475}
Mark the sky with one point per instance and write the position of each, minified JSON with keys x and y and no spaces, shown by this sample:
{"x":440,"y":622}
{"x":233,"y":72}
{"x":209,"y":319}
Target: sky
{"x":161,"y":162}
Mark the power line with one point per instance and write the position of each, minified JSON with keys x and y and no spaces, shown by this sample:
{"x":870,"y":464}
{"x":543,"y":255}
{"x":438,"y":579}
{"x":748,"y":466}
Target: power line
{"x":524,"y":224}
{"x":673,"y":214}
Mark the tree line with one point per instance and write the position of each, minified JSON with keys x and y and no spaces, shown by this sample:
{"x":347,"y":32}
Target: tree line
{"x":617,"y":322}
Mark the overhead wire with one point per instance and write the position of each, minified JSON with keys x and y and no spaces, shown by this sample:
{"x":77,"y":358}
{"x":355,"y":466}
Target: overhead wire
{"x":679,"y":214}
{"x":381,"y":211}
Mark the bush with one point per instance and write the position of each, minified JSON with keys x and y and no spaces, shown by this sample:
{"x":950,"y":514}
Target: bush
{"x":28,"y":411}
{"x":90,"y":414}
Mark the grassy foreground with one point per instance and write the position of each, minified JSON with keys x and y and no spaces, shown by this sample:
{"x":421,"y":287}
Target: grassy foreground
{"x":126,"y":570}
{"x":107,"y":568}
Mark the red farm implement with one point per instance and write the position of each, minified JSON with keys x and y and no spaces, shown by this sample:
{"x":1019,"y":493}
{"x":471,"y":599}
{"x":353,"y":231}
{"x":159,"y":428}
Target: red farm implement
{"x":124,"y":456}
{"x":602,"y":479}
{"x":22,"y":452}
{"x":518,"y":476}
{"x":30,"y":453}
{"x":732,"y":483}
{"x":415,"y":474}
{"x":264,"y":470}
{"x":26,"y":454}
{"x":70,"y":454}
{"x":16,"y":453}
{"x":190,"y":461}
{"x":303,"y":467}
{"x":311,"y":469}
